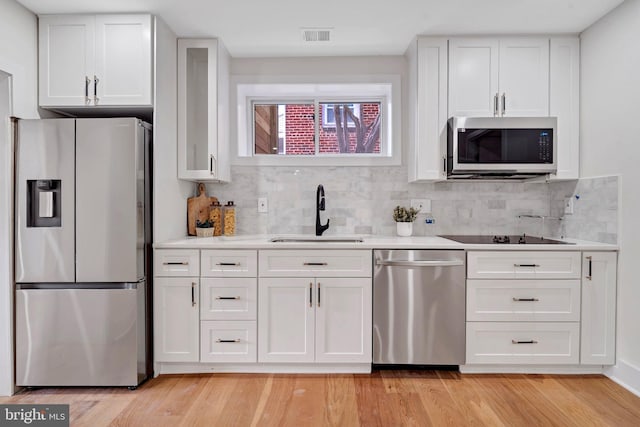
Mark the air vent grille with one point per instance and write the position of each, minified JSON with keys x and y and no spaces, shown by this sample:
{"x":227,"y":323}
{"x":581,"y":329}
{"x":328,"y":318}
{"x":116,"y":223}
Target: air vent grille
{"x":316,"y":34}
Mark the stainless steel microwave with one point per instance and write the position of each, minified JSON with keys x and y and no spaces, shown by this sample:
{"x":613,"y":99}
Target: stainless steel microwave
{"x":501,"y":147}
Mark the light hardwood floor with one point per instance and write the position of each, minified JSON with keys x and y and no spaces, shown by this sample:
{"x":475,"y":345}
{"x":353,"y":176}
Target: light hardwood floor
{"x":384,"y":398}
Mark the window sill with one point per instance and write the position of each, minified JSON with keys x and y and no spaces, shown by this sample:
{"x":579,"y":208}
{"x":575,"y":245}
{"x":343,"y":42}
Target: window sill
{"x":322,"y":161}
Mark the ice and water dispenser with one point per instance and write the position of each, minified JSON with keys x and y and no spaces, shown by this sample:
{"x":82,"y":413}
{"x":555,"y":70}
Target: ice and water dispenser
{"x":44,"y":203}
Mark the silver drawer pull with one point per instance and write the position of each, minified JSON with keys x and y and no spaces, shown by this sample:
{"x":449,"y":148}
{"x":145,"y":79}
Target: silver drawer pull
{"x":223,"y":341}
{"x":226,"y":298}
{"x":526,"y":265}
{"x":175,"y":263}
{"x":229,"y":264}
{"x":526,"y":299}
{"x":524,"y":342}
{"x":316,"y":263}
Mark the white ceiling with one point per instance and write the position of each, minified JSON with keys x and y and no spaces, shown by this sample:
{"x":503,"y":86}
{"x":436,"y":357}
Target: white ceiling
{"x":360,"y":27}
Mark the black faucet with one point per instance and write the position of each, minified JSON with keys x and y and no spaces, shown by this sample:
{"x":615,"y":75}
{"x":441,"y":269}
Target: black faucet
{"x":320,"y":207}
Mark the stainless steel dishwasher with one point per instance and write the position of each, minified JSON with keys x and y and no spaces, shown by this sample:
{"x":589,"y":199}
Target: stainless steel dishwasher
{"x":419,"y":307}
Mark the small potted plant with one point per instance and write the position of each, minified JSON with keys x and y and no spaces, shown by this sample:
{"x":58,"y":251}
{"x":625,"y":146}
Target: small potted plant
{"x":404,"y":220}
{"x":204,"y":228}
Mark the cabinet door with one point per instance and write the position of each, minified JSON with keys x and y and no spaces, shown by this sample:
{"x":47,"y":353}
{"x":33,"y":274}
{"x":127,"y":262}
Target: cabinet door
{"x":598,"y":335}
{"x":176,"y":319}
{"x":123,"y":60}
{"x":524,"y":77}
{"x":343,"y":320}
{"x":228,"y":298}
{"x":66,"y":59}
{"x":286,"y":320}
{"x":564,"y":103}
{"x":473,"y":77}
{"x":197,"y":109}
{"x":427,"y":130}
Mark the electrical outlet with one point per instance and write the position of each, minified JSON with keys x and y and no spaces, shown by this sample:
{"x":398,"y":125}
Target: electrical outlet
{"x":568,"y":206}
{"x":423,"y":204}
{"x":263,"y":205}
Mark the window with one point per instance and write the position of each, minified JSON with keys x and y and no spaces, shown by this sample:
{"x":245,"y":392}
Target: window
{"x":329,"y":118}
{"x":291,"y":129}
{"x":316,"y":124}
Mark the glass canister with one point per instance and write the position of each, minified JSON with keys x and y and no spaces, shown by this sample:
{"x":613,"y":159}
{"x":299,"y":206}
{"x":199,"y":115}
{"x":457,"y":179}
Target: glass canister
{"x":215,"y":215}
{"x":229,"y":219}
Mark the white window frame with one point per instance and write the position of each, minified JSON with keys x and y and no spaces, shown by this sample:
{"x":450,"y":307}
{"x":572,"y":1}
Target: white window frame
{"x":385,"y":89}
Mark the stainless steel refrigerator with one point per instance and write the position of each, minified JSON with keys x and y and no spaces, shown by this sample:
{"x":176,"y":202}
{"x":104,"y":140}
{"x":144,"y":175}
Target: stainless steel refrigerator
{"x":82,"y":254}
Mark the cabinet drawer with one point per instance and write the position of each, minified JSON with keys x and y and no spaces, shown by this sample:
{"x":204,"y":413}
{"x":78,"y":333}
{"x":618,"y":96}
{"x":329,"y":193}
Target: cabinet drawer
{"x":228,"y":299}
{"x":229,"y":263}
{"x":523,"y":265}
{"x":523,"y":300}
{"x":176,"y":262}
{"x":228,"y":341}
{"x":523,"y":343}
{"x":315,"y":263}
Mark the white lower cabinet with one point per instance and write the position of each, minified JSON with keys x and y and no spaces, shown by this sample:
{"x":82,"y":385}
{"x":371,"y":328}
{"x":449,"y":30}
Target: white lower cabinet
{"x":523,"y":343}
{"x":176,"y":319}
{"x":286,"y":320}
{"x":541,"y":308}
{"x":325,"y":320}
{"x":598,"y":336}
{"x":228,"y":341}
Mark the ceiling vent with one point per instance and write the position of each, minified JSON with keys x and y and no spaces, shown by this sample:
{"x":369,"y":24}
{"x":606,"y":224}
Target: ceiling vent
{"x":316,"y":34}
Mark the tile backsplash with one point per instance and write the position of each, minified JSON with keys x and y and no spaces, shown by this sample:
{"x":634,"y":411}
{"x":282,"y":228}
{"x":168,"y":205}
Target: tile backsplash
{"x":360,"y":200}
{"x":595,"y":215}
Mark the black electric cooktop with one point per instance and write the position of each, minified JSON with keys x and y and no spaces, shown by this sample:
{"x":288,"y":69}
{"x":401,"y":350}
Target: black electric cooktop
{"x":504,"y":240}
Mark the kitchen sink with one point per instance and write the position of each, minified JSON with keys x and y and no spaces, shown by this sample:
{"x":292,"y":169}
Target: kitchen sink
{"x":316,"y":239}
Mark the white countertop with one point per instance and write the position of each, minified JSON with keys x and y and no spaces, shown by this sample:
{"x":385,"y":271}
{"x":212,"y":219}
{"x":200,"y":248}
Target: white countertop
{"x":369,"y":242}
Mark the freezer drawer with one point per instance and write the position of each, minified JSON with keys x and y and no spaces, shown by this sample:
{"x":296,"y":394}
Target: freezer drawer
{"x":79,"y":337}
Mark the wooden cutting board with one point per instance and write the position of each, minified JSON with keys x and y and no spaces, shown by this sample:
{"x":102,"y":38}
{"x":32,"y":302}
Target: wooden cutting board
{"x":198,"y":208}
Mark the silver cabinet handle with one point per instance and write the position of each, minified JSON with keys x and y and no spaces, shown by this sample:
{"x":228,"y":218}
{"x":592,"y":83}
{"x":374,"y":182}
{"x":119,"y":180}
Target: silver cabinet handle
{"x":229,"y":264}
{"x":590,"y":259}
{"x":95,"y":90}
{"x":87,"y":82}
{"x":526,"y":265}
{"x":316,"y":263}
{"x":526,"y":299}
{"x":524,"y":342}
{"x":310,"y":294}
{"x":504,"y":103}
{"x":212,"y":160}
{"x":193,"y":294}
{"x":495,"y":104}
{"x":228,"y":298}
{"x":318,"y":294}
{"x":175,"y":263}
{"x":452,"y":263}
{"x":219,"y":340}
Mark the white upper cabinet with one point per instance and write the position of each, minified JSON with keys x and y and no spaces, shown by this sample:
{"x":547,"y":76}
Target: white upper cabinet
{"x":499,"y":77}
{"x":473,"y":77}
{"x":123,"y":60}
{"x":427,"y":112}
{"x":203,"y":105}
{"x":95,"y":60}
{"x":564,"y":103}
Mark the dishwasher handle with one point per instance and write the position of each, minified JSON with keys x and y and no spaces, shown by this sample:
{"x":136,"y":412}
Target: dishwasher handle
{"x":444,"y":263}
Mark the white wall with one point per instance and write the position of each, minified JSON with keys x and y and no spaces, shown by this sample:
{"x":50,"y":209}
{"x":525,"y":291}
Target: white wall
{"x":169,"y":194}
{"x":19,"y":55}
{"x":18,"y":64}
{"x":610,"y":144}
